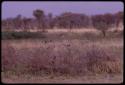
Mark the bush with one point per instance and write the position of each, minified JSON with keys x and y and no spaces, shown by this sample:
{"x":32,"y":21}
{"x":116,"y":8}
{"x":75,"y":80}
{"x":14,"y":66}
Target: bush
{"x":22,"y":35}
{"x":8,"y":57}
{"x":100,"y":61}
{"x":65,"y":58}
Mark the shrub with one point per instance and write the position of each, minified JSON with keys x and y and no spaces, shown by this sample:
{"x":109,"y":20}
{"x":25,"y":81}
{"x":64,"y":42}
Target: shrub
{"x":100,"y":61}
{"x":8,"y":57}
{"x":22,"y":35}
{"x":65,"y":58}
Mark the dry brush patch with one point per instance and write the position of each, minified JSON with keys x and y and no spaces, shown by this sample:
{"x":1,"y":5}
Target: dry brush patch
{"x":66,"y":57}
{"x":101,"y":61}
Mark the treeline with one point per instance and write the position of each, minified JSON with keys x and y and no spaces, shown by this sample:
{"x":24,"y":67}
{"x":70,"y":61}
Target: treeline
{"x":66,"y":20}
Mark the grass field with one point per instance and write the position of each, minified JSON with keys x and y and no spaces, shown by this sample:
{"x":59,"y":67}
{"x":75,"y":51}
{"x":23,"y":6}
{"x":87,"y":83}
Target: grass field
{"x":62,"y":57}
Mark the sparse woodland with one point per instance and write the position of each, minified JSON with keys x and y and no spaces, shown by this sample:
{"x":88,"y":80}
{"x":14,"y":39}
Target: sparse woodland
{"x":67,"y":20}
{"x":30,"y":55}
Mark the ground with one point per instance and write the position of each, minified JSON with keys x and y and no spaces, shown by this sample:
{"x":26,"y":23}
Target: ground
{"x":56,"y":43}
{"x":62,"y":79}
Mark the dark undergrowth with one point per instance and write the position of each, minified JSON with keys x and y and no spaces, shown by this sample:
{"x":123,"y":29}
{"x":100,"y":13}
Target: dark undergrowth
{"x":59,"y":36}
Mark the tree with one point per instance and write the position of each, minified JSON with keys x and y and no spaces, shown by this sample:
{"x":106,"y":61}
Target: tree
{"x":72,"y":20}
{"x":26,"y":23}
{"x":18,"y":21}
{"x":39,"y":15}
{"x":119,"y":17}
{"x":102,"y":22}
{"x":50,"y":21}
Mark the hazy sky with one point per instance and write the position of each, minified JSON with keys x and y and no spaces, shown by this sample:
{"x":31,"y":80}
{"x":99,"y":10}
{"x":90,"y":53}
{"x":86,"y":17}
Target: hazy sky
{"x":11,"y":9}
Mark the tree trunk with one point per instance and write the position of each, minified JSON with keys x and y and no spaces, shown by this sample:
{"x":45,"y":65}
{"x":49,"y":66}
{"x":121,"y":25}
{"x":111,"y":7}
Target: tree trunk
{"x":104,"y":33}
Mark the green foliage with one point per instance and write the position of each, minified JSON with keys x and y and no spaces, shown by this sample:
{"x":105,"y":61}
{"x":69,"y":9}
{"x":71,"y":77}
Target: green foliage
{"x":58,"y":36}
{"x":22,"y":35}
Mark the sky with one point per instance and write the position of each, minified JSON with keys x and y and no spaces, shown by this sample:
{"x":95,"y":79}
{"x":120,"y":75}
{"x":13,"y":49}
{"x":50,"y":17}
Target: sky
{"x":13,"y":8}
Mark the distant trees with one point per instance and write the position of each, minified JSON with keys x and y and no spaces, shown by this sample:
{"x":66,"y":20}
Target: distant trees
{"x":17,"y":21}
{"x":119,"y":18}
{"x":72,"y":20}
{"x":103,"y":22}
{"x":67,"y":20}
{"x":7,"y":23}
{"x":39,"y":15}
{"x":26,"y":22}
{"x":11,"y":23}
{"x":49,"y":21}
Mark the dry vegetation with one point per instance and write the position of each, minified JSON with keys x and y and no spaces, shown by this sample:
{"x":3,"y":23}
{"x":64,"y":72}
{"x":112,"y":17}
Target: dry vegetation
{"x":79,"y":56}
{"x":44,"y":48}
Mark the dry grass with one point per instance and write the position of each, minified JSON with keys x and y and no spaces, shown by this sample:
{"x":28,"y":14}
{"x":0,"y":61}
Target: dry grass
{"x":59,"y":30}
{"x":67,"y":57}
{"x":106,"y":79}
{"x":63,"y":54}
{"x":75,"y":30}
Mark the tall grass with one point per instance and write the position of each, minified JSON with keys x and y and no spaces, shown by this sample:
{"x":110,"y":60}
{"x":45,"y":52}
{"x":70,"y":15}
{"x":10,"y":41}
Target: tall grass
{"x":73,"y":58}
